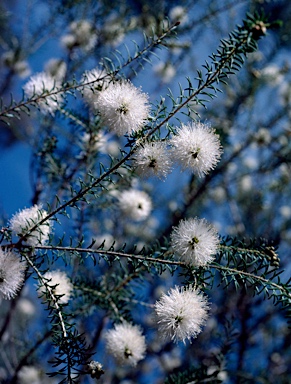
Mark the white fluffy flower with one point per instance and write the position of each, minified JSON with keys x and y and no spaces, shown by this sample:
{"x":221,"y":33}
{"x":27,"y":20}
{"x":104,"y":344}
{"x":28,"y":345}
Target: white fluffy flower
{"x":123,"y":107}
{"x":11,"y":274}
{"x":272,"y":74}
{"x":181,"y":313}
{"x":82,"y":35}
{"x":135,"y":204}
{"x":126,"y":343}
{"x":197,"y":147}
{"x":113,"y":31}
{"x":12,"y":61}
{"x":263,"y":136}
{"x":195,"y":241}
{"x":29,"y":375}
{"x":152,"y":159}
{"x":61,"y":285}
{"x":98,"y":82}
{"x":41,"y":84}
{"x":26,"y":219}
{"x":26,"y":307}
{"x":178,"y":13}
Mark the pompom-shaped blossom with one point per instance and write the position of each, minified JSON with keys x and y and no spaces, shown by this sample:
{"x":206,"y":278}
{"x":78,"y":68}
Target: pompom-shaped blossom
{"x":24,"y":220}
{"x":60,"y":283}
{"x":42,"y":84}
{"x":196,"y":147}
{"x":123,"y":107}
{"x":181,"y":313}
{"x":152,"y":159}
{"x":135,"y":204}
{"x":126,"y":343}
{"x":195,"y":241}
{"x":98,"y":82}
{"x":11,"y":274}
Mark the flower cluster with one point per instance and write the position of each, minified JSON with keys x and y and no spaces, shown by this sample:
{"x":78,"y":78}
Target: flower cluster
{"x":195,"y":241}
{"x":181,"y":313}
{"x":11,"y":274}
{"x":126,"y":343}
{"x":22,"y":223}
{"x":195,"y":147}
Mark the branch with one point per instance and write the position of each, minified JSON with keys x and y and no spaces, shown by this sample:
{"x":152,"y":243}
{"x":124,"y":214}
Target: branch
{"x":233,"y":271}
{"x":110,"y":253}
{"x":49,"y":290}
{"x":34,"y":100}
{"x":240,"y":42}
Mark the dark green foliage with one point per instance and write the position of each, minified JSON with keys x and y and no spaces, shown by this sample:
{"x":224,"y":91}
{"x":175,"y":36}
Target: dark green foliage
{"x":195,"y":376}
{"x":71,"y":356}
{"x":254,"y":266}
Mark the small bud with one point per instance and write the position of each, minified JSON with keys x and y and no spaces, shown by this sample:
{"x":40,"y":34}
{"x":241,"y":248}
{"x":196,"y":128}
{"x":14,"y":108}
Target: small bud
{"x":272,"y":256}
{"x":94,"y":369}
{"x":259,"y":29}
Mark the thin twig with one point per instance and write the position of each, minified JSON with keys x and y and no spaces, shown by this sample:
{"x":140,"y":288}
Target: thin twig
{"x":51,"y":294}
{"x":162,"y":261}
{"x":110,"y":253}
{"x":248,"y":274}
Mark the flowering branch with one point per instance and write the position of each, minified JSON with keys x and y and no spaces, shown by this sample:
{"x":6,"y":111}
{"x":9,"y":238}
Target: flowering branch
{"x":285,"y":290}
{"x":230,"y":58}
{"x":240,"y":42}
{"x":100,"y":197}
{"x":229,"y":270}
{"x":110,"y":253}
{"x":14,"y":110}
